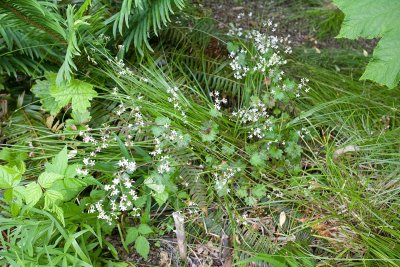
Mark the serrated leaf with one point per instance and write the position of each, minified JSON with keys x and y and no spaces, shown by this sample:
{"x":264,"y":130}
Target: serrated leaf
{"x":151,"y":183}
{"x":293,"y":150}
{"x":241,"y":192}
{"x":144,"y":229}
{"x":259,"y":191}
{"x":59,"y":163}
{"x":41,"y":89}
{"x":59,"y":213}
{"x":47,"y":179}
{"x":69,"y":187}
{"x":375,"y":19}
{"x":33,"y":193}
{"x":275,"y":152}
{"x":257,"y":159}
{"x":9,"y":177}
{"x":131,"y":235}
{"x":161,"y":198}
{"x":12,"y":156}
{"x":54,"y":97}
{"x":384,"y":67}
{"x":53,"y":195}
{"x":142,"y":246}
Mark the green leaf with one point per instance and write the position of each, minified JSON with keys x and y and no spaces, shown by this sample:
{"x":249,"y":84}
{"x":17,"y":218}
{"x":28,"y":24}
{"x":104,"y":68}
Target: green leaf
{"x":59,"y":213}
{"x":80,"y":117}
{"x":12,"y":156}
{"x":42,"y":90}
{"x":250,"y":201}
{"x":151,"y":183}
{"x":275,"y":152}
{"x":140,"y":202}
{"x":144,"y":229}
{"x":241,"y":192}
{"x":232,"y":47}
{"x":15,"y":207}
{"x":9,"y":177}
{"x":8,"y":194}
{"x":69,"y":187}
{"x":259,"y":191}
{"x":47,"y":179}
{"x":161,"y":198}
{"x":258,"y":159}
{"x":51,"y":197}
{"x":142,"y":246}
{"x":59,"y":163}
{"x":209,"y":131}
{"x":375,"y":19}
{"x":54,"y":97}
{"x":293,"y":150}
{"x":33,"y":193}
{"x":131,"y":235}
{"x":70,"y":172}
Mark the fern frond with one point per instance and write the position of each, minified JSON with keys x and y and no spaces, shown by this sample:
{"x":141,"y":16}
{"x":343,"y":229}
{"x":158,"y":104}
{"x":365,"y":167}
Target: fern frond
{"x":142,"y":19}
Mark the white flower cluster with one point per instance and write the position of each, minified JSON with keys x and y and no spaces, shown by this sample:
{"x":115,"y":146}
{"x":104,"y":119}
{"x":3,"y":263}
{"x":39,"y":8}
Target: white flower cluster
{"x":122,"y":70}
{"x":268,"y":51}
{"x":169,"y":137}
{"x":217,"y":100}
{"x":303,"y":132}
{"x":174,"y":98}
{"x":137,"y":126}
{"x":100,"y":145}
{"x":126,"y":165}
{"x":223,"y":178}
{"x":164,"y":165}
{"x":257,"y":116}
{"x":238,"y":66}
{"x":303,"y":85}
{"x":121,"y":194}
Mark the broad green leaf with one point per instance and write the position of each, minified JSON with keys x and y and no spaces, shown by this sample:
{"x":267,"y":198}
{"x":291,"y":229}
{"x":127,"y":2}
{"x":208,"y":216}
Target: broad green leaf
{"x":54,"y":97}
{"x":51,"y":197}
{"x":42,"y":90}
{"x":161,"y":198}
{"x":19,"y":191}
{"x":8,"y":194}
{"x":144,"y":229}
{"x":131,"y":235}
{"x":12,"y":156}
{"x":80,"y":117}
{"x":33,"y":193}
{"x":60,"y":213}
{"x":69,"y":187}
{"x":151,"y":183}
{"x":9,"y":177}
{"x":375,"y":19}
{"x":71,"y":172}
{"x":142,"y":246}
{"x":47,"y":179}
{"x":59,"y":163}
{"x":15,"y":207}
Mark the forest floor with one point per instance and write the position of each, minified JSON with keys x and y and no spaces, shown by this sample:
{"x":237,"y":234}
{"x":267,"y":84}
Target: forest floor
{"x":312,"y":26}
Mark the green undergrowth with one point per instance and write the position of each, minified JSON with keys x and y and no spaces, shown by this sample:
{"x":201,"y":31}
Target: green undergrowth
{"x":293,"y":168}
